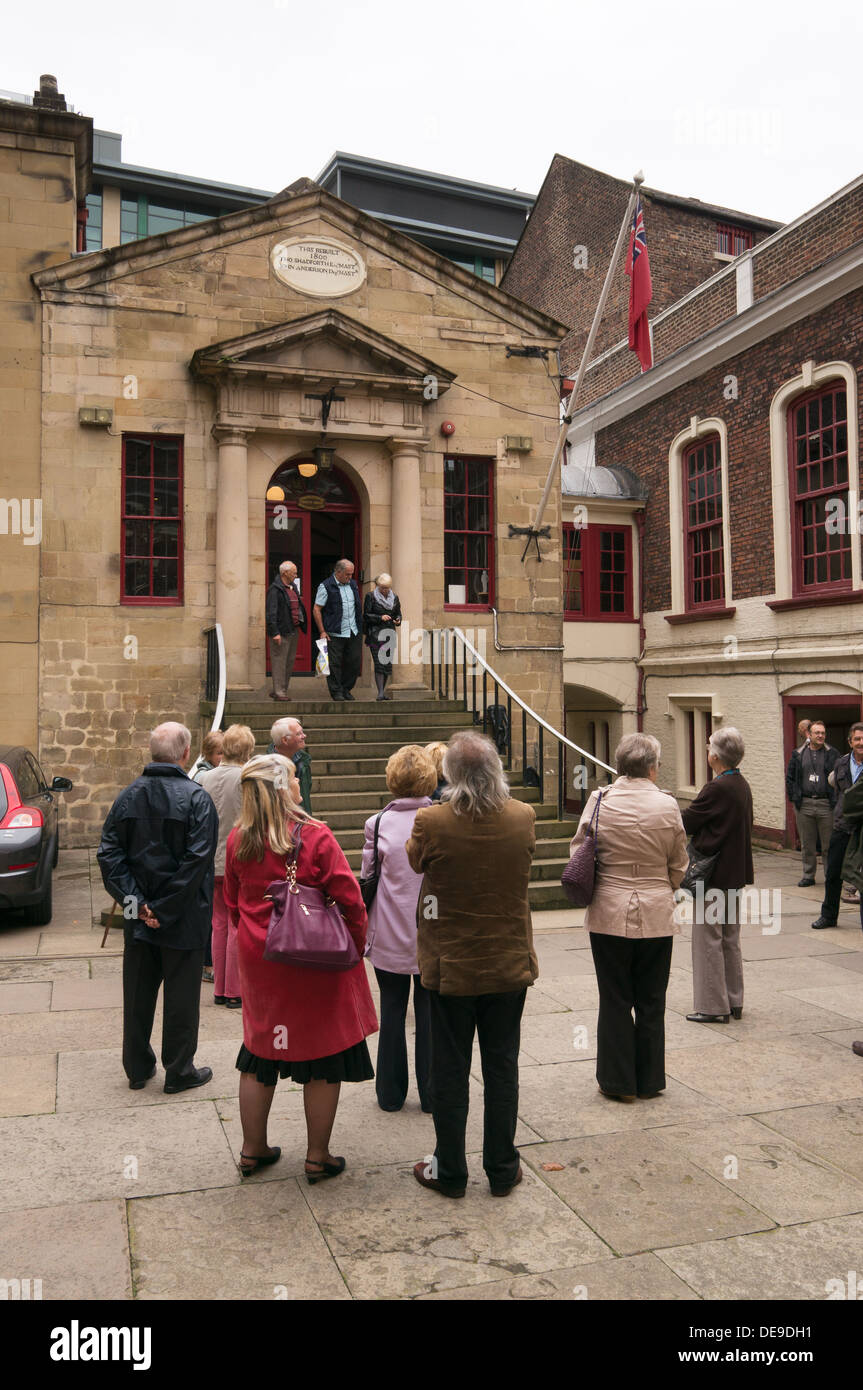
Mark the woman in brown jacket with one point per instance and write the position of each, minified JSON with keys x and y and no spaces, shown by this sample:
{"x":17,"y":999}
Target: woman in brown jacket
{"x":476,"y":957}
{"x":640,"y":860}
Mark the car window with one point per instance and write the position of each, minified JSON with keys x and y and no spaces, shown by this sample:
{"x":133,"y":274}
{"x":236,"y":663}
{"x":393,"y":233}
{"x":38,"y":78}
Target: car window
{"x":26,"y":779}
{"x":37,"y":773}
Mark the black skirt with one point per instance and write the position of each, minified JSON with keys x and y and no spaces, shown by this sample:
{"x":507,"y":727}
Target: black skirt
{"x":353,"y":1064}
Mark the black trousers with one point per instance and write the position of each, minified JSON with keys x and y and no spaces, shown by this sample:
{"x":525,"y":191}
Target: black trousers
{"x":496,"y":1018}
{"x":391,"y":1072}
{"x":833,"y":874}
{"x":632,"y":974}
{"x":345,"y":654}
{"x":145,"y":968}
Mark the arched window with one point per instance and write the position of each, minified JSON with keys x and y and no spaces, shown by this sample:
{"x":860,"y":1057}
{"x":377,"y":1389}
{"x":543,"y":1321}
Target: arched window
{"x":703,"y":524}
{"x":818,"y":490}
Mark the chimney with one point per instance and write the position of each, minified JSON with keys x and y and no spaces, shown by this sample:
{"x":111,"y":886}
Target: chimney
{"x":47,"y":97}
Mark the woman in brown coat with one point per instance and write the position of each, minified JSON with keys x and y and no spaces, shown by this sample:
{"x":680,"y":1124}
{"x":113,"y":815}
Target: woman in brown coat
{"x":640,"y":860}
{"x":720,"y":822}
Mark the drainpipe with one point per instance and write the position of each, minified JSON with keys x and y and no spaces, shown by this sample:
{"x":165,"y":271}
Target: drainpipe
{"x":639,"y":522}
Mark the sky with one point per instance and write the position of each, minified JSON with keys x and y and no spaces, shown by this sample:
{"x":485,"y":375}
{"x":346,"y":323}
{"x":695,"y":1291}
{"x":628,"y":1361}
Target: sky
{"x":755,"y":107}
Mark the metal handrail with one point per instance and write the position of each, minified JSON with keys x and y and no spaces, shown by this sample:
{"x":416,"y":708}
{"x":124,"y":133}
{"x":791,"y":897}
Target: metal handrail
{"x":215,"y":680}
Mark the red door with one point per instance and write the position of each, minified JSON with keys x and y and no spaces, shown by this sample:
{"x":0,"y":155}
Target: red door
{"x":289,"y":538}
{"x":838,"y":712}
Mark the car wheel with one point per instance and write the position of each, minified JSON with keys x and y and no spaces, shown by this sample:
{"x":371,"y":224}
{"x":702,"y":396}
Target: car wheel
{"x":40,"y":914}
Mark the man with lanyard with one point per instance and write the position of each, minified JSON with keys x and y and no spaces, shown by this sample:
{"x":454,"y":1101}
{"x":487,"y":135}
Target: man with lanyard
{"x":811,"y":796}
{"x":338,"y":614}
{"x":844,"y":775}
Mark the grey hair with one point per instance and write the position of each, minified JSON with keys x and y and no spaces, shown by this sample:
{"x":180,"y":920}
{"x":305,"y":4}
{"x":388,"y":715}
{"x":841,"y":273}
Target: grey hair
{"x":169,"y":741}
{"x":636,"y":754}
{"x":727,"y":745}
{"x":281,"y":729}
{"x":474,"y":772}
{"x":342,"y":565}
{"x":287,"y":565}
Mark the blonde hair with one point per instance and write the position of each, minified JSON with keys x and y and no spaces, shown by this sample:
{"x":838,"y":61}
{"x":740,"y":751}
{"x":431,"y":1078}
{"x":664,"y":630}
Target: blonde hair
{"x":436,"y":752}
{"x":411,"y":772}
{"x":238,"y":744}
{"x":268,"y":812}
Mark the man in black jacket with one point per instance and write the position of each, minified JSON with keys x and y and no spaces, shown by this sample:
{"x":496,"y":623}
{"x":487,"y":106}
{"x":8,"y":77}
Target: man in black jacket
{"x":156,"y":856}
{"x":845,"y":773}
{"x":813,"y":799}
{"x":286,"y":619}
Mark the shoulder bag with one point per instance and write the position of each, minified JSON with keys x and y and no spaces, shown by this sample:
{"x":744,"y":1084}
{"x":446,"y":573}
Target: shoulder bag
{"x":578,"y":877}
{"x":700,"y":869}
{"x":306,"y":927}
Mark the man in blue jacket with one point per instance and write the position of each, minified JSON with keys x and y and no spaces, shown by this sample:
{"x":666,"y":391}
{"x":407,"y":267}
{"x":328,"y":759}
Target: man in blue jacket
{"x":156,"y":856}
{"x":338,"y":614}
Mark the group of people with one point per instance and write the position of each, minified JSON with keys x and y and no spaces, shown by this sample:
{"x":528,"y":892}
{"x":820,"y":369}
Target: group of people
{"x":817,"y":779}
{"x":343,"y":620}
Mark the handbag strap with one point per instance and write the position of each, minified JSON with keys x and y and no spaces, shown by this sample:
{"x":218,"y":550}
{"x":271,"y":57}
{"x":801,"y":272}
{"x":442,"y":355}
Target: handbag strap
{"x":594,"y":820}
{"x":375,"y":850}
{"x":291,"y":861}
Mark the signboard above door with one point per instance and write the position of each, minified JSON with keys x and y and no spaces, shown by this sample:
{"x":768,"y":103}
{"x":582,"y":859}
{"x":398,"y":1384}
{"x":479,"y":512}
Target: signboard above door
{"x":318,"y":266}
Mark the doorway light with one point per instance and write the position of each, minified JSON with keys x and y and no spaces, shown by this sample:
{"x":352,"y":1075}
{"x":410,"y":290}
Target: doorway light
{"x":307,"y":469}
{"x":275,"y":494}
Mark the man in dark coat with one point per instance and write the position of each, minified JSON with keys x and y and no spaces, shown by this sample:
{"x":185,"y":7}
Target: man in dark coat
{"x":339,"y":618}
{"x":156,"y":856}
{"x":845,"y":774}
{"x":288,"y":738}
{"x":286,"y":619}
{"x":813,"y":799}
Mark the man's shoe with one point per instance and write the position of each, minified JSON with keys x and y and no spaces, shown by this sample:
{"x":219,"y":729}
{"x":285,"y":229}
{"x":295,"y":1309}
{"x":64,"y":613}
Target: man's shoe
{"x":821,"y":922}
{"x":338,"y":697}
{"x":139,"y":1085}
{"x":420,"y":1175}
{"x":505,"y":1191}
{"x":347,"y":695}
{"x":738,"y":1012}
{"x":649,"y":1095}
{"x":707,"y":1018}
{"x":858,"y":1048}
{"x":806,"y":883}
{"x":850,"y":895}
{"x":199,"y":1077}
{"x":610,"y":1095}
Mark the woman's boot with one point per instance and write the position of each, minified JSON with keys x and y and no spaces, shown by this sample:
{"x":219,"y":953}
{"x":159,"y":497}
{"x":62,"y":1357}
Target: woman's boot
{"x":380,"y":682}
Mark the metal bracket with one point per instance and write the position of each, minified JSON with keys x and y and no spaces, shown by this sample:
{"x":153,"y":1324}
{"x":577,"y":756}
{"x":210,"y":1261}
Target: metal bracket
{"x":532,"y":535}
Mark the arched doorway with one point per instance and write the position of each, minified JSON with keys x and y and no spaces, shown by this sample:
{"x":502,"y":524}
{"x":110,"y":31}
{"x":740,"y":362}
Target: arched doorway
{"x":313,"y":519}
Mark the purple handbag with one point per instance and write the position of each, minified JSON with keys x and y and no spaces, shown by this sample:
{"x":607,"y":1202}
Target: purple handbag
{"x":306,"y":927}
{"x":578,"y":876}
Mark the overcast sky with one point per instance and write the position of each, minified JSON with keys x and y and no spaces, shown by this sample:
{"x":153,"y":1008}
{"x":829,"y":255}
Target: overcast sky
{"x":754,"y":106}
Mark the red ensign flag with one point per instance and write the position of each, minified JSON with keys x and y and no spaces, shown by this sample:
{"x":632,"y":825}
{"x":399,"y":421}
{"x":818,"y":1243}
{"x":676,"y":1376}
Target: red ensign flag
{"x":640,"y":289}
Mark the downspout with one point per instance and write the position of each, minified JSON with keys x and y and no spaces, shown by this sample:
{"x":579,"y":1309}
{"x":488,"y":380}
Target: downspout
{"x":639,"y":704}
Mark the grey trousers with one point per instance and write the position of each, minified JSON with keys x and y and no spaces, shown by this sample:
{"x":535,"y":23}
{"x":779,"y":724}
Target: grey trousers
{"x":717,"y":961}
{"x":815,"y":815}
{"x":282,"y":656}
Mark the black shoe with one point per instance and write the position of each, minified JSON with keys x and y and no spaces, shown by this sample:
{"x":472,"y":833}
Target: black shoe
{"x":328,"y":1170}
{"x":233,"y":1002}
{"x":707,"y":1018}
{"x":139,"y":1085}
{"x":505,"y":1191}
{"x":806,"y":883}
{"x":339,"y":696}
{"x":821,"y":922}
{"x":220,"y":998}
{"x":737,"y":1013}
{"x":347,"y":695}
{"x":257,"y":1161}
{"x":199,"y":1077}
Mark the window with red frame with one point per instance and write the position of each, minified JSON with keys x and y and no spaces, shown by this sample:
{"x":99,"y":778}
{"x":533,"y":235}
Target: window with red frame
{"x":152,"y":520}
{"x":732,"y":241}
{"x":702,"y":494}
{"x":597,"y":573}
{"x":818,"y":466}
{"x":468,"y":532}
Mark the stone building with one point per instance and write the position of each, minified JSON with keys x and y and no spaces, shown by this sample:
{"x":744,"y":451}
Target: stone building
{"x":295,"y":379}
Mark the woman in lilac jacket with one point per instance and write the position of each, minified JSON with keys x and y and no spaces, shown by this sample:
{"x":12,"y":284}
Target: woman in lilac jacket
{"x":392,"y":936}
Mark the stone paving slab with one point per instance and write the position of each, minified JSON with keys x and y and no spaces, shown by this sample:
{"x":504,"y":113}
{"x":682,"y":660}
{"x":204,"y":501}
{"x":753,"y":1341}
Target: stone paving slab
{"x":18,"y":998}
{"x":850,"y":961}
{"x":28,"y":1084}
{"x":249,"y":1242}
{"x":44,"y":970}
{"x":75,"y":943}
{"x":393,"y":1239}
{"x":71,"y":1030}
{"x":91,"y":1081}
{"x":845,"y":998}
{"x":629,"y":1277}
{"x":639,"y":1194}
{"x":833,"y":1132}
{"x":88,"y":994}
{"x":50,"y":1159}
{"x":766,"y":1075}
{"x":794,"y":1262}
{"x":798,"y":973}
{"x":781,"y":1180}
{"x":784,"y":946}
{"x":104,"y":966}
{"x":17,"y":941}
{"x":79,"y":1250}
{"x":844,"y":1037}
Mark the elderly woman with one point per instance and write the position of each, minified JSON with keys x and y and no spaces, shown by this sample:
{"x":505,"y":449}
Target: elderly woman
{"x":719,"y":821}
{"x":437,"y":752}
{"x":211,"y":754}
{"x":310,"y":1025}
{"x":392,"y":938}
{"x":640,"y":861}
{"x":223,"y":784}
{"x":382,"y":613}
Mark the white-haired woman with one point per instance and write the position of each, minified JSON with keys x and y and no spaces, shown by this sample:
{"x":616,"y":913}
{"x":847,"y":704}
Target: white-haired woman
{"x":382,"y":614}
{"x":720,"y":822}
{"x":310,"y":1025}
{"x":640,"y":862}
{"x":223,"y":784}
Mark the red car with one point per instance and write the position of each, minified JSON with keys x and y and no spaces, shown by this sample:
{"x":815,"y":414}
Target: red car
{"x":29,"y":840}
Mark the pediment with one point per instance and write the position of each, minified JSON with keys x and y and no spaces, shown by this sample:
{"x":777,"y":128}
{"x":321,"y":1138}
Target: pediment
{"x":328,"y":348}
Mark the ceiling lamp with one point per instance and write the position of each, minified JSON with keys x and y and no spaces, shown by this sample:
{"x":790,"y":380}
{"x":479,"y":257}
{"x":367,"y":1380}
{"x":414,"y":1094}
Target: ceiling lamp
{"x":275,"y":494}
{"x":308,"y":469}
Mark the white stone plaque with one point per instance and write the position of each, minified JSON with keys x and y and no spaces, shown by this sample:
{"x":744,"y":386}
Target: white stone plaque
{"x":318,"y":266}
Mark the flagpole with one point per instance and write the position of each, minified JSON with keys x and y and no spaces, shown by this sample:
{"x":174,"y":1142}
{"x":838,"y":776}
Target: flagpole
{"x":625,"y":225}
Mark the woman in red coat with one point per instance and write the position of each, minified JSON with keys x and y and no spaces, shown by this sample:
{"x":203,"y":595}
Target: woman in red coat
{"x":310,"y":1025}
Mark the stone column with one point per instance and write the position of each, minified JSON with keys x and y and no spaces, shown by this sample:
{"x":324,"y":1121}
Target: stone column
{"x":232,"y":552}
{"x":406,"y":551}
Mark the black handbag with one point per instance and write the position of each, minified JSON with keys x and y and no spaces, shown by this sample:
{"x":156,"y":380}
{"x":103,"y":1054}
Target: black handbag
{"x":700,"y":869}
{"x":369,"y":885}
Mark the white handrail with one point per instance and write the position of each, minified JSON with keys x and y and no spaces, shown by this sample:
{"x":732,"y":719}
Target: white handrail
{"x":533,"y":714}
{"x":222,"y":692}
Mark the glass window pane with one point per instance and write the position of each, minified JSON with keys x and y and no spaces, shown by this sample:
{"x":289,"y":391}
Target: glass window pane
{"x":137,"y":578}
{"x":455,"y":513}
{"x":137,"y":496}
{"x":454,"y":475}
{"x":137,"y":538}
{"x":166,"y":460}
{"x":165,"y":579}
{"x":477,"y":477}
{"x":166,"y":537}
{"x":138,"y":457}
{"x":477,"y":551}
{"x":166,"y":497}
{"x":454,"y":550}
{"x":477,"y":514}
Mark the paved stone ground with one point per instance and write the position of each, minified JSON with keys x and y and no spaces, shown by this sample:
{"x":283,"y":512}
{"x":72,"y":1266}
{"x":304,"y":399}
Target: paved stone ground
{"x":743,"y":1181}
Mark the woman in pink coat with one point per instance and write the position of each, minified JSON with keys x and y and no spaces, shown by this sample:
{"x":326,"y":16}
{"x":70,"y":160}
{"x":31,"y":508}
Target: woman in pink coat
{"x":392,"y":939}
{"x":310,"y":1025}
